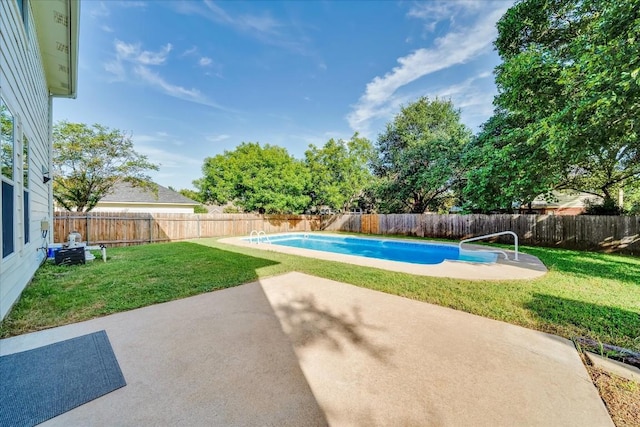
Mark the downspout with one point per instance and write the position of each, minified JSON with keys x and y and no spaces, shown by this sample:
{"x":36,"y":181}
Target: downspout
{"x":50,"y":165}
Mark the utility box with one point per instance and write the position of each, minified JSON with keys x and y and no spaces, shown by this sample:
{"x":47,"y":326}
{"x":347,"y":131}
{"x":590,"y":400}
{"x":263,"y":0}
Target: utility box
{"x":70,"y":256}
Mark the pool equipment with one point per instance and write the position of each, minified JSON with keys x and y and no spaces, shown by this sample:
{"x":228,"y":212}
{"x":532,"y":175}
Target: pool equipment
{"x":74,"y":241}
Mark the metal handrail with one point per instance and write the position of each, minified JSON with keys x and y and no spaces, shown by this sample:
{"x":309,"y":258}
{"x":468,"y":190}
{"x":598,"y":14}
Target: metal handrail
{"x":515,"y":237}
{"x":262,"y":233}
{"x":258,"y":235}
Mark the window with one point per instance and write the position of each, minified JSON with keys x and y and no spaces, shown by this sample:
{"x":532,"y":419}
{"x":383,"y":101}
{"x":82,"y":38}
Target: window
{"x":7,"y":219}
{"x":25,"y":184}
{"x":23,"y":6}
{"x":7,"y":167}
{"x":25,"y":162}
{"x":6,"y":142}
{"x":26,"y":217}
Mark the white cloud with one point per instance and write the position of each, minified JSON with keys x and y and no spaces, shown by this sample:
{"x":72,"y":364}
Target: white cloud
{"x":159,"y":136}
{"x":134,"y":53}
{"x":262,"y":27}
{"x":149,"y":145}
{"x":204,"y":61}
{"x":176,"y":170}
{"x":217,"y":138}
{"x":132,"y":4}
{"x":154,"y":58}
{"x":218,"y":13}
{"x":263,"y":24}
{"x":176,"y":91}
{"x":131,"y":61}
{"x":117,"y":69}
{"x":471,"y":97}
{"x":433,"y":12}
{"x":106,"y":29}
{"x":101,"y":11}
{"x":457,"y":47}
{"x":191,"y":51}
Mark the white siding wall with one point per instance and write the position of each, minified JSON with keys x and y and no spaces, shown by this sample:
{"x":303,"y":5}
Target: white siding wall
{"x":23,"y":88}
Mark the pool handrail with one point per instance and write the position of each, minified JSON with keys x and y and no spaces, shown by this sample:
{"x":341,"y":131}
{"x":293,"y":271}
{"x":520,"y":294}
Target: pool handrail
{"x":486,"y":236}
{"x":258,"y":235}
{"x":262,"y":233}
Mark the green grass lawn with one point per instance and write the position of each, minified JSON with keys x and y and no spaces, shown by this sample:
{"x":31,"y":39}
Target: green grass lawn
{"x":584,"y":294}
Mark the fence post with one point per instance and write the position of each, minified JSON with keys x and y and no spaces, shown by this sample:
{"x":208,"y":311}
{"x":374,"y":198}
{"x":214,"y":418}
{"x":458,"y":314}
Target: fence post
{"x":150,"y":230}
{"x":198,"y":219}
{"x":87,"y":227}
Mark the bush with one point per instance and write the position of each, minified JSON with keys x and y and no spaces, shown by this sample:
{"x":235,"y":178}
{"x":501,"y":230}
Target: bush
{"x":607,"y":207}
{"x":231,"y":210}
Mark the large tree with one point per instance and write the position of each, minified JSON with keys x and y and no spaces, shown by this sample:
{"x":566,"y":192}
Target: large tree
{"x":339,"y":171}
{"x":257,"y":179}
{"x":571,"y":75}
{"x":419,"y":157}
{"x":89,"y":160}
{"x":498,"y":163}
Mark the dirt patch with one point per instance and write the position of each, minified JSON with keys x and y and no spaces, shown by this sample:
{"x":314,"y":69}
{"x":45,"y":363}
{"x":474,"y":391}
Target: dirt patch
{"x":621,"y":396}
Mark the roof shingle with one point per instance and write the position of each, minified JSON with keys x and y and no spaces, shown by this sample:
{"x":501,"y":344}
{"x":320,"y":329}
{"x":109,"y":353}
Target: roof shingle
{"x":124,"y":192}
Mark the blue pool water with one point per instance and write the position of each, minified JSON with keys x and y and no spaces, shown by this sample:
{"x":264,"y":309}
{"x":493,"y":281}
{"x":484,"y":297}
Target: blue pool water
{"x":394,"y":250}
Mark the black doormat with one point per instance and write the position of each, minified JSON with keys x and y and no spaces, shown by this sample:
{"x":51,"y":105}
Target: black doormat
{"x":39,"y":384}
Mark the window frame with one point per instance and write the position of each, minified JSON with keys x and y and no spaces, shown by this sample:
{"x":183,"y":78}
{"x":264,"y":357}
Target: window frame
{"x":26,"y":196}
{"x":8,"y":182}
{"x":23,"y":8}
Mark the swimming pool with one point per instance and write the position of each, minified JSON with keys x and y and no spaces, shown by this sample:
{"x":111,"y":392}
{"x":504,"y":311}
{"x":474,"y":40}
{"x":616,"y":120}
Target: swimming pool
{"x":385,"y":249}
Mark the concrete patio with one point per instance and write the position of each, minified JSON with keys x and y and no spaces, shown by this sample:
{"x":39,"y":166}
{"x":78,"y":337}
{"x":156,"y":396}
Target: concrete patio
{"x":302,"y":351}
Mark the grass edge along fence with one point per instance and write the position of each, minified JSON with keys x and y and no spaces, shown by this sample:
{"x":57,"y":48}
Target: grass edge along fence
{"x":603,"y":233}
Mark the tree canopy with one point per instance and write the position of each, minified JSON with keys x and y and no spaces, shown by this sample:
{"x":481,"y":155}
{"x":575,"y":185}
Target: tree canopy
{"x":419,"y":156}
{"x":89,"y":160}
{"x":339,"y":171}
{"x":256,"y":178}
{"x":568,"y":101}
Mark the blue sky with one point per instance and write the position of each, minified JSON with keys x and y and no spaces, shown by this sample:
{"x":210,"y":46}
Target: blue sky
{"x":192,"y":79}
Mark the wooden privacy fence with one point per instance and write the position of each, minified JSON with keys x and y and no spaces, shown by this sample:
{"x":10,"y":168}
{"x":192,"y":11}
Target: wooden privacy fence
{"x":124,"y":229}
{"x":606,"y":233}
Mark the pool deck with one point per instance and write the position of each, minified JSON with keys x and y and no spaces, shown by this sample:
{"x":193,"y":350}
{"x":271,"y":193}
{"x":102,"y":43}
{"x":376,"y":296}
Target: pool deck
{"x":527,"y":267}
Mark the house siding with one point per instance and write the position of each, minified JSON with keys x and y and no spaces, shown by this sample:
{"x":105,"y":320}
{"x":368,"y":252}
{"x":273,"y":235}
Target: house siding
{"x":24,"y":90}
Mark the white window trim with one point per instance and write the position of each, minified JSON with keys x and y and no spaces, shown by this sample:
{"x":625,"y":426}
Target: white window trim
{"x":17,"y":248}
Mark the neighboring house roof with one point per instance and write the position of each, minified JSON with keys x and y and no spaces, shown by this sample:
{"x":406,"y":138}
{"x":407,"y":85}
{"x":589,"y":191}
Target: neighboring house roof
{"x":126,"y":193}
{"x":58,"y":34}
{"x":565,"y":199}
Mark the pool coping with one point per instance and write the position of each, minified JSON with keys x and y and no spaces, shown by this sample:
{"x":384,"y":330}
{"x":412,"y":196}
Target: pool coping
{"x":527,"y":267}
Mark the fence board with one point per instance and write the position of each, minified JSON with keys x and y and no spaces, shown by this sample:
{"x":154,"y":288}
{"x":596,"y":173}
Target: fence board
{"x":606,"y":233}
